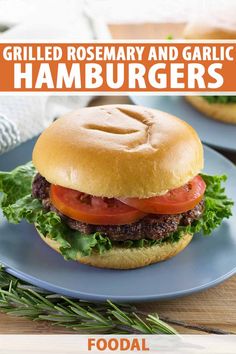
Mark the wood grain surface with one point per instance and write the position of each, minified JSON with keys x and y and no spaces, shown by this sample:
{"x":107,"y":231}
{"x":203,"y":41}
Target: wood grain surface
{"x":213,"y":310}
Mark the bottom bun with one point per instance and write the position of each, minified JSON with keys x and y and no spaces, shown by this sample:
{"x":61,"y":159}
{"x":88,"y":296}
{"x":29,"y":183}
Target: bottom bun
{"x":129,"y":258}
{"x":225,"y":112}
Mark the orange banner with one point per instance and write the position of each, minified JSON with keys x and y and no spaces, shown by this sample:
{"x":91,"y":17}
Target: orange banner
{"x":118,"y":67}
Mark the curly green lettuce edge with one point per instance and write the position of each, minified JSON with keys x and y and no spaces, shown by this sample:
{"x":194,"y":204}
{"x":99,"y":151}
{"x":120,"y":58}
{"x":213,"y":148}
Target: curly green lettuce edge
{"x":18,"y":204}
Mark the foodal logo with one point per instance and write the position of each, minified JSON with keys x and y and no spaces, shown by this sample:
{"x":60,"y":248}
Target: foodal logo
{"x":118,"y":344}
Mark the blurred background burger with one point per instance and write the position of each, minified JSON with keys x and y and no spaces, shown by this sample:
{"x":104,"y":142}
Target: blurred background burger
{"x":222,"y":108}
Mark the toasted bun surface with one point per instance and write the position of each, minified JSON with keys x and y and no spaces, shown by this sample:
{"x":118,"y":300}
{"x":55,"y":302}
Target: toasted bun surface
{"x":220,"y":111}
{"x":119,"y":151}
{"x":129,"y":258}
{"x":201,"y":30}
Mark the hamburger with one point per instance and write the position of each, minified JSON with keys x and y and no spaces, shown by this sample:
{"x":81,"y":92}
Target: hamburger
{"x":222,"y":108}
{"x":116,"y":186}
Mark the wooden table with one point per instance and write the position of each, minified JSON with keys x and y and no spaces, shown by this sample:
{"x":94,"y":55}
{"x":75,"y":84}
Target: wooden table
{"x":209,"y":311}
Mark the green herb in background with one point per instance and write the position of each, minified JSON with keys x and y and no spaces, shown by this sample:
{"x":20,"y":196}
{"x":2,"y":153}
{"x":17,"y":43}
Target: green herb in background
{"x":220,"y":99}
{"x":21,"y":299}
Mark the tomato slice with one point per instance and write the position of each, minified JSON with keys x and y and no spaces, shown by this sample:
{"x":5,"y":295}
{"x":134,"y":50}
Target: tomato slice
{"x":175,"y":201}
{"x":92,"y":210}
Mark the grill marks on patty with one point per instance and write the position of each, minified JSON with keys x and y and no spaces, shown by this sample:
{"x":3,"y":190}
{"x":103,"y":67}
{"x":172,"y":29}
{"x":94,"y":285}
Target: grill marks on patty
{"x":152,"y":226}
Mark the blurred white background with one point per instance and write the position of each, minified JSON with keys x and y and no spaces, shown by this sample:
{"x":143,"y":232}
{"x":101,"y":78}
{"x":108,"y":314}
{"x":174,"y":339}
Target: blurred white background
{"x":115,"y":11}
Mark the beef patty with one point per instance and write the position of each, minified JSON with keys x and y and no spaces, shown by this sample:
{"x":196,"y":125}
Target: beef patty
{"x":152,"y":226}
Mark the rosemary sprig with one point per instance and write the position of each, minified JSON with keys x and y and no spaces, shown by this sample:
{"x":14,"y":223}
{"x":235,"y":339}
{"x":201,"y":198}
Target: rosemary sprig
{"x":21,"y":299}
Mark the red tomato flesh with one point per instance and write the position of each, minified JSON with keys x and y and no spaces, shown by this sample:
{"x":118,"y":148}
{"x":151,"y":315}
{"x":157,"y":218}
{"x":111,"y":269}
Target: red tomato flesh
{"x":93,"y":210}
{"x":175,"y":201}
{"x":110,"y":211}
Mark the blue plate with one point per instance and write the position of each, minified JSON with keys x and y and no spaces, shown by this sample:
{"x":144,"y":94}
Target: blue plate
{"x":206,"y":262}
{"x":211,"y":131}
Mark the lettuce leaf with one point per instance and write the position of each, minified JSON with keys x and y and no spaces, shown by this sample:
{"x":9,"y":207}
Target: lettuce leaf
{"x":16,"y":184}
{"x":18,"y":204}
{"x":220,"y":99}
{"x":49,"y":223}
{"x":217,"y":208}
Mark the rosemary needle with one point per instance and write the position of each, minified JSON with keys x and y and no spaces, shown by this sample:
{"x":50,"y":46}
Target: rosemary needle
{"x":21,"y":299}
